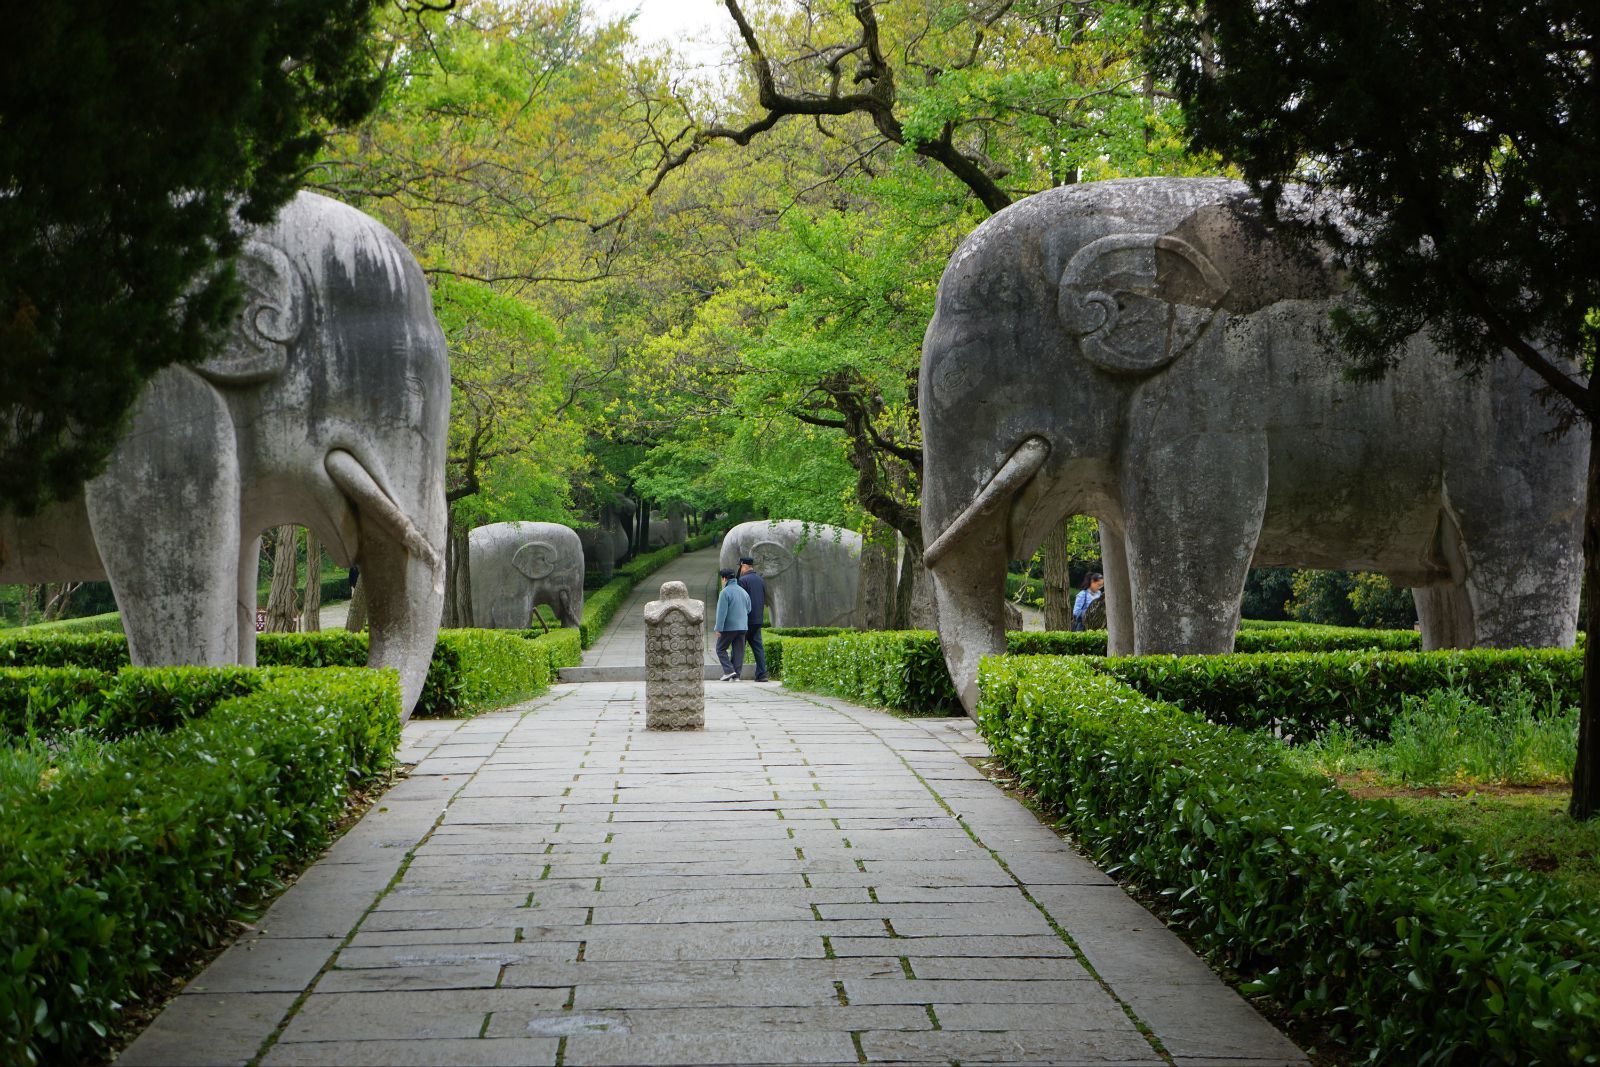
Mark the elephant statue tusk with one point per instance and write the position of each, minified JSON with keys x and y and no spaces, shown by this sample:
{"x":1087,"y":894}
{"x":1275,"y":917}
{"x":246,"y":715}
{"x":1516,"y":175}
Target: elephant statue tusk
{"x":357,"y":483}
{"x":1023,"y":464}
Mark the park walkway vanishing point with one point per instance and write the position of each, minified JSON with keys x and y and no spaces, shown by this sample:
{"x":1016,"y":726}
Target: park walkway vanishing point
{"x":804,"y":881}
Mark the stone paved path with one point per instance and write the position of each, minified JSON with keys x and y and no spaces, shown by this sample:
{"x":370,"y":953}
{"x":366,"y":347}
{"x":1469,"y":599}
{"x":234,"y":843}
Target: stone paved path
{"x":805,"y":881}
{"x":623,"y":642}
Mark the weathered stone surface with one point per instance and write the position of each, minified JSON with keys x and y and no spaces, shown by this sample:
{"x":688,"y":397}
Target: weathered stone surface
{"x":326,"y":406}
{"x":674,"y":650}
{"x":517,"y":566}
{"x":1179,"y":381}
{"x":812,"y":570}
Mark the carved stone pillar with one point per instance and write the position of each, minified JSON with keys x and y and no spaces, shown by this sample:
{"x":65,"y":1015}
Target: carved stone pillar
{"x":674,"y":661}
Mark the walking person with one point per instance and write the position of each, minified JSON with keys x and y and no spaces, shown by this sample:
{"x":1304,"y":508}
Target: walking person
{"x":733,"y":614}
{"x":756,"y":586}
{"x":1092,"y":589}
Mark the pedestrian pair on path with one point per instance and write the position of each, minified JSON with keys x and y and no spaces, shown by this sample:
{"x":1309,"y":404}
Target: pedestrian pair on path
{"x":741,"y":607}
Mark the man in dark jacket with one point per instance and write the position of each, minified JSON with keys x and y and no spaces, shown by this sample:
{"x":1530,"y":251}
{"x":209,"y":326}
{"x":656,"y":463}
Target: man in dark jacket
{"x":756,"y":586}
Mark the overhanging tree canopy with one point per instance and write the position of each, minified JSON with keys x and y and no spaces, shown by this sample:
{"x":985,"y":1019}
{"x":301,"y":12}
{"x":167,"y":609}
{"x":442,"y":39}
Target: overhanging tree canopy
{"x":130,"y":134}
{"x":1464,"y":139}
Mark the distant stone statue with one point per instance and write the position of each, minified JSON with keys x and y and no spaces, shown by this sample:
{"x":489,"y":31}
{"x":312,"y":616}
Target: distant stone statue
{"x":811,"y":569}
{"x":517,"y":566}
{"x":674,"y":660}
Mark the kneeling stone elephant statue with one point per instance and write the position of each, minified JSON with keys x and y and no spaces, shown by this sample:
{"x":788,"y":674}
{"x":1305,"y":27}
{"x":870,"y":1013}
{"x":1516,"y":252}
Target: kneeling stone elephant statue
{"x":326,"y":406}
{"x":811,"y":569}
{"x":1143,"y":351}
{"x":519,"y":565}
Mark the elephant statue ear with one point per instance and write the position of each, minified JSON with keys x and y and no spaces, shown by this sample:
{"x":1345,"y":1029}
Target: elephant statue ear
{"x":276,"y":307}
{"x":1136,"y":302}
{"x":535,"y":560}
{"x":772,"y":558}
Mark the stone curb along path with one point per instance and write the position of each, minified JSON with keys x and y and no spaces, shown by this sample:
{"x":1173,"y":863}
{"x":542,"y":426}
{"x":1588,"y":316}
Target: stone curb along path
{"x":804,"y":881}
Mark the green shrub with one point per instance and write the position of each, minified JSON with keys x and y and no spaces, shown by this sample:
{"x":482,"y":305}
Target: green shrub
{"x":109,"y":622}
{"x":1301,"y":694}
{"x":700,"y":541}
{"x":33,"y":699}
{"x":641,"y":566}
{"x":903,"y":670}
{"x":600,"y":605}
{"x":1397,"y":937}
{"x":98,"y":651}
{"x":109,"y":874}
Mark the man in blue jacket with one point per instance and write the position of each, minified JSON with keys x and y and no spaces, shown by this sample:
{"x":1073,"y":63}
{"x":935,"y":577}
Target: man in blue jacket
{"x":756,"y":586}
{"x":733,"y":612}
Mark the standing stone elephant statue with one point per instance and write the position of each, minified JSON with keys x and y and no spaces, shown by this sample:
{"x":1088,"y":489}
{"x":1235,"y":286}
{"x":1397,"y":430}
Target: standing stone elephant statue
{"x":325,"y":406}
{"x":1143,"y":351}
{"x":811,"y":569}
{"x":517,"y":566}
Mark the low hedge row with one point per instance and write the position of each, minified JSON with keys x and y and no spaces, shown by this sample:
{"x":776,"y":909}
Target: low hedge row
{"x":899,"y":669}
{"x":1300,"y":694}
{"x":1399,"y":938}
{"x":602,"y":604}
{"x":599,"y":607}
{"x":471,"y":670}
{"x":110,"y":872}
{"x":1296,"y":693}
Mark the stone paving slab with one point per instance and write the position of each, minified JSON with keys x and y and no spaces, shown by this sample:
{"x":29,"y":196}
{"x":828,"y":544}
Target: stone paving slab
{"x":804,"y":881}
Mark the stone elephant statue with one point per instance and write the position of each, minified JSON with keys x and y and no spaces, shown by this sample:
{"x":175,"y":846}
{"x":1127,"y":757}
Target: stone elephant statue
{"x":811,"y":569}
{"x":603,"y":548}
{"x":519,"y":565}
{"x":325,"y":406}
{"x":1143,"y":351}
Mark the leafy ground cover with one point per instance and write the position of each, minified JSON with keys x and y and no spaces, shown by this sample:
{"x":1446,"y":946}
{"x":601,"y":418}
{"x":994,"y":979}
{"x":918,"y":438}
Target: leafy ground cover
{"x":1495,"y":771}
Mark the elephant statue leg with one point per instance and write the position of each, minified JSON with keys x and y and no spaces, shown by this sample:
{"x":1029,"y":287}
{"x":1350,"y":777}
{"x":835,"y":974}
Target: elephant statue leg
{"x":1119,"y":588}
{"x":567,"y":610}
{"x":1194,"y":507}
{"x":165,"y":516}
{"x":249,"y":567}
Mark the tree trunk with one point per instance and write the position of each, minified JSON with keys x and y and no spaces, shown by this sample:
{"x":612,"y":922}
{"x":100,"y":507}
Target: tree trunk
{"x":644,"y":525}
{"x":458,"y":578}
{"x":311,"y":603}
{"x":356,"y":619}
{"x":915,"y":594}
{"x":875,"y":593}
{"x":281,"y":598}
{"x":1586,"y":770}
{"x":1057,"y":581}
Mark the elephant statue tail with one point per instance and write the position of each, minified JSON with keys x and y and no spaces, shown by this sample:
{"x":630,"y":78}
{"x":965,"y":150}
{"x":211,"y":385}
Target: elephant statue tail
{"x":357,"y":483}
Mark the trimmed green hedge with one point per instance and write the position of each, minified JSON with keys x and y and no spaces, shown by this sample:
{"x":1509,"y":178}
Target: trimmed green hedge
{"x":1300,"y":694}
{"x":899,"y":669}
{"x":111,"y":871}
{"x":600,"y":605}
{"x":471,"y":670}
{"x":904,"y":670}
{"x":1399,"y":938}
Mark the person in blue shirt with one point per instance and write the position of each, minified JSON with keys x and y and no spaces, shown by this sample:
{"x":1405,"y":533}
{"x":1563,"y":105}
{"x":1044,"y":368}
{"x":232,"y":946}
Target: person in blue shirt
{"x":756,"y":586}
{"x":1091,"y":591}
{"x":733,"y":615}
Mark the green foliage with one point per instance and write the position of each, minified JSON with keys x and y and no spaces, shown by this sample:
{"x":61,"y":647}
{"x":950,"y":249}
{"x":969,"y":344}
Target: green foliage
{"x":1349,"y":598}
{"x":1451,"y":737}
{"x":112,"y":868}
{"x":1397,"y":937}
{"x":1302,"y":694}
{"x":470,"y":671}
{"x":600,"y":605}
{"x":1267,"y":592}
{"x":122,"y":177}
{"x":902,"y":670}
{"x":1529,"y":830}
{"x":110,"y":622}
